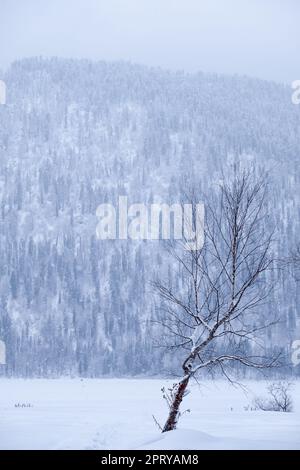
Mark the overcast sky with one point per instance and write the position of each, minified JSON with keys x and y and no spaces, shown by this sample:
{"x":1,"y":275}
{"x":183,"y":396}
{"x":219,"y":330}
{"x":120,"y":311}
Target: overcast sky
{"x":254,"y":37}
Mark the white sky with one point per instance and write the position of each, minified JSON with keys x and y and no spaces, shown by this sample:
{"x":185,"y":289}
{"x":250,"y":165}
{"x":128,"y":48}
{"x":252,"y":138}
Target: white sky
{"x":254,"y":37}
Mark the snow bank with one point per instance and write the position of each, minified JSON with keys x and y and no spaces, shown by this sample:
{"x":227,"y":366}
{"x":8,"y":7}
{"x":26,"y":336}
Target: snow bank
{"x":117,"y":414}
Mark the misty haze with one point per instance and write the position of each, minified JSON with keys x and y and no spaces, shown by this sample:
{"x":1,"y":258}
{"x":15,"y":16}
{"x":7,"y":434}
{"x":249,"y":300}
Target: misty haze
{"x":149,"y":236}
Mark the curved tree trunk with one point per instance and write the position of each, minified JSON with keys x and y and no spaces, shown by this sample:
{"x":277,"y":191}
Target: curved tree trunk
{"x":174,"y":410}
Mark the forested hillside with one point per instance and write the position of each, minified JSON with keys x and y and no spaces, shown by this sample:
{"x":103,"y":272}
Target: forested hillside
{"x":75,"y":134}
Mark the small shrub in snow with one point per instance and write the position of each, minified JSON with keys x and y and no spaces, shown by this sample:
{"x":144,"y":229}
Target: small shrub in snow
{"x":279,"y":398}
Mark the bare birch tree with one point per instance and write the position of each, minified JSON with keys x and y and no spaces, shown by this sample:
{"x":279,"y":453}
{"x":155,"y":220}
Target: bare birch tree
{"x":217,"y":312}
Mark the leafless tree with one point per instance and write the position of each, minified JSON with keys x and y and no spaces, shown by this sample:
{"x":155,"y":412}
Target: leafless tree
{"x":217,"y":311}
{"x":279,"y":398}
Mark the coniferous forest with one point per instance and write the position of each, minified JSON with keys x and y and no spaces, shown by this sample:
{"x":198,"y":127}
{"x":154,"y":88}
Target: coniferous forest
{"x":75,"y":134}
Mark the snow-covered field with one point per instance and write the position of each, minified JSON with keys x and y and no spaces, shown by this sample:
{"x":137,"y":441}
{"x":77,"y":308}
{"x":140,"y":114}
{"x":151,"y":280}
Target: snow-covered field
{"x":117,"y":414}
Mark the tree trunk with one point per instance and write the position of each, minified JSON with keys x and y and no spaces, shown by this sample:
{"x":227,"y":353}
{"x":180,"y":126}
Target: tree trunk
{"x":174,"y":410}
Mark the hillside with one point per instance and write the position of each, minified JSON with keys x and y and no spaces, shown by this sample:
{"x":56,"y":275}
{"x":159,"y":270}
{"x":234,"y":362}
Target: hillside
{"x":75,"y":134}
